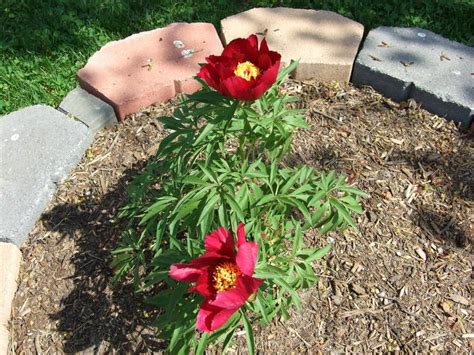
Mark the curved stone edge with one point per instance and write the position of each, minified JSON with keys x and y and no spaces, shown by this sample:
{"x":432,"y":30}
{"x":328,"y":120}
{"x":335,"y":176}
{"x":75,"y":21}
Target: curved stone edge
{"x":55,"y":161}
{"x":376,"y":67}
{"x":95,"y":117}
{"x":10,"y":259}
{"x":116,"y":75}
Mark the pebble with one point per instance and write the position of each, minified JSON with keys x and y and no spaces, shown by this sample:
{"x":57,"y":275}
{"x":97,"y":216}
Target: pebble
{"x":337,"y":300}
{"x":358,"y":289}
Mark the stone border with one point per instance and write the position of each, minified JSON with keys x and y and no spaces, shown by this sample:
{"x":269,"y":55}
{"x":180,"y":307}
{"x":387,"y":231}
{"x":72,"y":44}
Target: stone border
{"x":90,"y":110}
{"x":10,"y":259}
{"x":404,"y":63}
{"x":92,"y":115}
{"x":95,"y":114}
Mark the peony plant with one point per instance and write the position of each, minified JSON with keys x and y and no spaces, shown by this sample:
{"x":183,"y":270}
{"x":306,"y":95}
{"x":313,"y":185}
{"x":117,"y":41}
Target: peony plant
{"x":219,"y":170}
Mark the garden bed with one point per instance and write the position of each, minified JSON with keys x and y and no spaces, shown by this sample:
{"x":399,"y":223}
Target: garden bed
{"x":401,"y":282}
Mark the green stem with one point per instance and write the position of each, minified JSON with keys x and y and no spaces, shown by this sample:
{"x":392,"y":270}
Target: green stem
{"x":234,"y":107}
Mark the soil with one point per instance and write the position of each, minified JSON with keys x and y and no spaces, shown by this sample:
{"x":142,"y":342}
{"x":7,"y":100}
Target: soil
{"x":401,"y":282}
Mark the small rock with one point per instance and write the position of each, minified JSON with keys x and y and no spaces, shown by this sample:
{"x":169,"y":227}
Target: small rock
{"x":337,"y":300}
{"x":395,"y":278}
{"x":372,"y":216}
{"x":421,"y":253}
{"x":358,"y":289}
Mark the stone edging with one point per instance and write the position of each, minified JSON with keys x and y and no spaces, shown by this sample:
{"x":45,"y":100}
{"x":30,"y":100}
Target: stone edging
{"x":93,"y":113}
{"x":10,"y":259}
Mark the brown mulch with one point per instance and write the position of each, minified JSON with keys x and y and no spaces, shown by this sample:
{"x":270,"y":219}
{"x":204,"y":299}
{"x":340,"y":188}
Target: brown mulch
{"x":402,"y":282}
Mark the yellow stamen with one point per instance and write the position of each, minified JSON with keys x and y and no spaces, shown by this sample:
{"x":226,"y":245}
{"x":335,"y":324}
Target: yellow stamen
{"x":247,"y":70}
{"x":225,"y":276}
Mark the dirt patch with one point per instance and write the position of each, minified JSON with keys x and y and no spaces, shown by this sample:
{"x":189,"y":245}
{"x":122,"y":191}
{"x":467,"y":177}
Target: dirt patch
{"x":403,"y":281}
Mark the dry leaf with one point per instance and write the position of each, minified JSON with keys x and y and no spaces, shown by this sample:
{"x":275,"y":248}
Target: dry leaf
{"x":375,"y":58}
{"x":446,"y":307}
{"x":406,"y":64}
{"x":384,"y":45}
{"x":397,"y":141}
{"x":459,"y":299}
{"x":443,"y":57}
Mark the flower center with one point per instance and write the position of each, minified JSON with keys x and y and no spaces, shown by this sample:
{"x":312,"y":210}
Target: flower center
{"x":225,"y":276}
{"x":247,"y":70}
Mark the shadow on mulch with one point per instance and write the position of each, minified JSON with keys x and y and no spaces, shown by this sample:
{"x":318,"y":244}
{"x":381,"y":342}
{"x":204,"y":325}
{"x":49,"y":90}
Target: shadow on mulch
{"x":96,"y":314}
{"x":452,"y":234}
{"x":450,"y":170}
{"x":459,"y":180}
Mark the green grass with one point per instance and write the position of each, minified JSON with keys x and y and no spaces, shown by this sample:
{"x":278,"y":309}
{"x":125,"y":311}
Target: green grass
{"x":44,"y":42}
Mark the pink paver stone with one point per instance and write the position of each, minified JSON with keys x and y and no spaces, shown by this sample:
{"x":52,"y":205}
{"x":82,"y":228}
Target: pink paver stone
{"x":326,"y":43}
{"x":150,"y":66}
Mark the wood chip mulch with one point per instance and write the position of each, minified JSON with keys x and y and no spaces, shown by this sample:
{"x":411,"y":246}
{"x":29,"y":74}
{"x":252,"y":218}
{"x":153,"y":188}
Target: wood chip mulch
{"x":401,"y":282}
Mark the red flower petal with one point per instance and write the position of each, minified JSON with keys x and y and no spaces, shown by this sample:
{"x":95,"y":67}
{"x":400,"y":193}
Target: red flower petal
{"x":203,"y":285}
{"x":253,"y":42}
{"x":241,"y":235}
{"x":264,"y":46}
{"x":210,"y":258}
{"x":209,"y":75}
{"x":252,"y":284}
{"x":236,"y":297}
{"x":241,"y":49}
{"x":210,"y":317}
{"x":239,"y":88}
{"x":266,"y":80}
{"x":219,"y":72}
{"x":221,"y":242}
{"x":184,"y":272}
{"x":247,"y":258}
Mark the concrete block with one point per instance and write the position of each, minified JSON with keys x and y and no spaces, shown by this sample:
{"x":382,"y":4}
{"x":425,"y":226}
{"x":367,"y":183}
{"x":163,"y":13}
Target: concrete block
{"x":10,"y":259}
{"x":38,"y":147}
{"x":325,"y":42}
{"x":414,"y":63}
{"x":150,"y":66}
{"x":90,"y":110}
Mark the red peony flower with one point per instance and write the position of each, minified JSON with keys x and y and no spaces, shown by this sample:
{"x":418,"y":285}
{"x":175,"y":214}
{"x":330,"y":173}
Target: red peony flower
{"x":243,"y":71}
{"x":223,"y":276}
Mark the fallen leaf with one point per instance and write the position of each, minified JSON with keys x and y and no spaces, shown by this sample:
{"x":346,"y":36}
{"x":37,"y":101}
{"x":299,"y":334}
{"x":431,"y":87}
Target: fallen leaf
{"x":406,"y":64}
{"x":446,"y":307}
{"x":375,"y":58}
{"x":397,"y":141}
{"x":384,"y":45}
{"x":443,"y":57}
{"x":459,"y":299}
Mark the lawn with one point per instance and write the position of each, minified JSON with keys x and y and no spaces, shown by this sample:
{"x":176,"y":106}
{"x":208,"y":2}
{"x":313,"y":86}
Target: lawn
{"x":43,"y":43}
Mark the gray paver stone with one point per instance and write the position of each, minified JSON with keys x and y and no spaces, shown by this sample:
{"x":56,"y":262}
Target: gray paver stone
{"x":38,"y":147}
{"x":89,"y":109}
{"x":413,"y":62}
